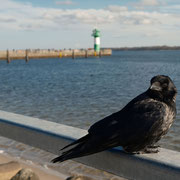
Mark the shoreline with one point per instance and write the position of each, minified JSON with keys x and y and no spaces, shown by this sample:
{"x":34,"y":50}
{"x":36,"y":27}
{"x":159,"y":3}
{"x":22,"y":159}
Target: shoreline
{"x":146,"y":48}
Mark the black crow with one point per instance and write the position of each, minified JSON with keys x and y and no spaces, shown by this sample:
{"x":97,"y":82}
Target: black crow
{"x":137,"y":127}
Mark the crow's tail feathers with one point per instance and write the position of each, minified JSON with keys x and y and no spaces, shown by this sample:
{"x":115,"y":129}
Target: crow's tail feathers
{"x":77,"y":151}
{"x":83,"y":139}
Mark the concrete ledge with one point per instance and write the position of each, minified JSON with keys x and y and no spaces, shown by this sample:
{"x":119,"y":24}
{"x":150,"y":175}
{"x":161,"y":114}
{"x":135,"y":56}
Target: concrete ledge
{"x":51,"y":137}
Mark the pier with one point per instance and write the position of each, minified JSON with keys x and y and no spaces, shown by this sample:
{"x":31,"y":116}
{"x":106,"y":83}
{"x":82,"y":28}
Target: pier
{"x":28,"y":54}
{"x":51,"y":137}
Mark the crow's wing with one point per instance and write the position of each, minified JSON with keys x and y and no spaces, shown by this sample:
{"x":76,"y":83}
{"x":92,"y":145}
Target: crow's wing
{"x":134,"y":122}
{"x":131,"y":125}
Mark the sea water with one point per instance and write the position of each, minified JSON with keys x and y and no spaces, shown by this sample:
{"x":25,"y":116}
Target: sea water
{"x":81,"y":91}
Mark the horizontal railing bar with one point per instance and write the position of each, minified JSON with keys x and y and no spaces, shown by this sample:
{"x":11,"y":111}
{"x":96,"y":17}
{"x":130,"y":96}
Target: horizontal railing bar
{"x":51,"y":137}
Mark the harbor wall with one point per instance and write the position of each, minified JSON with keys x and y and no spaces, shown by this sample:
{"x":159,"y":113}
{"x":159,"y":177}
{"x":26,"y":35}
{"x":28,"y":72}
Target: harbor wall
{"x":51,"y":53}
{"x":51,"y":137}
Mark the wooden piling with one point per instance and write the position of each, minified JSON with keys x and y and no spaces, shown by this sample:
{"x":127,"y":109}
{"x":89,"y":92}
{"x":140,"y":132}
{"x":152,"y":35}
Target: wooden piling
{"x":73,"y":54}
{"x":27,"y":56}
{"x":95,"y":53}
{"x":86,"y":54}
{"x":8,"y":57}
{"x":100,"y":53}
{"x":60,"y":55}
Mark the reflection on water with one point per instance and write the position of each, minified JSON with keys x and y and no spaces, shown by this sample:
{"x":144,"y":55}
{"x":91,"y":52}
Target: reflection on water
{"x":82,"y":91}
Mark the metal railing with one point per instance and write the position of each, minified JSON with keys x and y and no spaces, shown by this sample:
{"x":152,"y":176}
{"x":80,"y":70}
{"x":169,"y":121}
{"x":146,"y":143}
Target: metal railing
{"x":51,"y":136}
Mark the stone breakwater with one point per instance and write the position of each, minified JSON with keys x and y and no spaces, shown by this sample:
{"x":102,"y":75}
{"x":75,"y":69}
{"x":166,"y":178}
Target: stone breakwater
{"x":51,"y":53}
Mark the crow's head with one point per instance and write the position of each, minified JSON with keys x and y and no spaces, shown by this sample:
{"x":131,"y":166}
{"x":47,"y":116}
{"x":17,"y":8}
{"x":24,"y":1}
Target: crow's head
{"x":162,"y":87}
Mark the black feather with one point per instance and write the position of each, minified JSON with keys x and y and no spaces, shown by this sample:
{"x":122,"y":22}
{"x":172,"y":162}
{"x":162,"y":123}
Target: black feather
{"x":76,"y":142}
{"x":137,"y":127}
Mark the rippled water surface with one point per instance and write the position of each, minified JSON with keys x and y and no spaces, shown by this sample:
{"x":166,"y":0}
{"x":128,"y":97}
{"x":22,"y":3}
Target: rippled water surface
{"x":79,"y":92}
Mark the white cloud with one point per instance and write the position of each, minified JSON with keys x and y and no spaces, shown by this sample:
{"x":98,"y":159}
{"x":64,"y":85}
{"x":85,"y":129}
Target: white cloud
{"x":149,"y":3}
{"x":7,"y":20}
{"x":26,"y":17}
{"x":67,"y":2}
{"x":117,"y":20}
{"x":114,"y":8}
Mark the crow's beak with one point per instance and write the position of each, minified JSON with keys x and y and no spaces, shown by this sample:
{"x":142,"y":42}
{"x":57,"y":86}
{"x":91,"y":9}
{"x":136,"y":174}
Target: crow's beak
{"x":156,"y":86}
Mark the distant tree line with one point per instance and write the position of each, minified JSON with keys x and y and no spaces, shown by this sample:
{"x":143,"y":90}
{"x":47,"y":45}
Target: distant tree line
{"x":147,"y":48}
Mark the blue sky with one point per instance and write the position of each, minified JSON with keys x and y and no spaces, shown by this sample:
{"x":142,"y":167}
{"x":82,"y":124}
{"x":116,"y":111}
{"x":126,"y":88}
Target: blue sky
{"x":74,"y":4}
{"x":69,"y":23}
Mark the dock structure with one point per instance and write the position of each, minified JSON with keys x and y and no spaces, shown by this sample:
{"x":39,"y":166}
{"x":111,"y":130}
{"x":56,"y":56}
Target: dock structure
{"x":51,"y":53}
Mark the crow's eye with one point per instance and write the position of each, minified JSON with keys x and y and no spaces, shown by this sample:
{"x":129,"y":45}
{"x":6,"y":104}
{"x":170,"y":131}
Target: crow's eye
{"x":165,"y":85}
